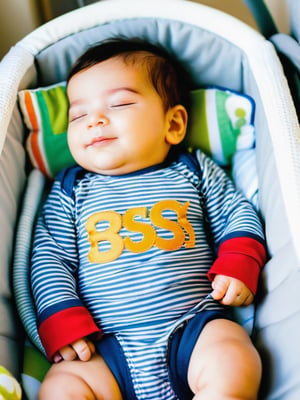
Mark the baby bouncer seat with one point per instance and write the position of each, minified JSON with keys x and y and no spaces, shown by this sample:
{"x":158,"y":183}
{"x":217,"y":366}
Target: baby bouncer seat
{"x":219,"y":52}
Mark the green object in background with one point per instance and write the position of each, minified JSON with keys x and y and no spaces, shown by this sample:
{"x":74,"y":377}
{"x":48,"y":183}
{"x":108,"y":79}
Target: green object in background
{"x":10,"y":388}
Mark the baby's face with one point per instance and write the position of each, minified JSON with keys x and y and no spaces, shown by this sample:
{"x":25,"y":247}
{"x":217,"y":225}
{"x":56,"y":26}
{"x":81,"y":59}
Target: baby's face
{"x":117,"y":122}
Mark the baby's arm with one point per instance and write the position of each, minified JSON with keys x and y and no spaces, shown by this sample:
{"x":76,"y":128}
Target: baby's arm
{"x":235,"y":230}
{"x":62,"y":317}
{"x":231,"y":291}
{"x":82,"y":349}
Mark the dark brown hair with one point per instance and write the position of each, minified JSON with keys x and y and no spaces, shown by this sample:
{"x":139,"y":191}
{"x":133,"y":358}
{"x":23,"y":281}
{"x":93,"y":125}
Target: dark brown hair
{"x":167,"y":75}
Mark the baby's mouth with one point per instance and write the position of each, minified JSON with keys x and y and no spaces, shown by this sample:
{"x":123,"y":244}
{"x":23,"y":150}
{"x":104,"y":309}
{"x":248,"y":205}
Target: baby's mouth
{"x":100,"y":141}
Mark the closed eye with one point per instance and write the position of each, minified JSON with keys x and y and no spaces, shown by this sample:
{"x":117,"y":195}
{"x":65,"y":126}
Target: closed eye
{"x":120,"y":105}
{"x":74,"y":118}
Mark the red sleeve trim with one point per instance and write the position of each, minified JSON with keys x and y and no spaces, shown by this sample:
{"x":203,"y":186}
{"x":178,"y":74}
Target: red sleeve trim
{"x":65,"y":327}
{"x":241,"y":258}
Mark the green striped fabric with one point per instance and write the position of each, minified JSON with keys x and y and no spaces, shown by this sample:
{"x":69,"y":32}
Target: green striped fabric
{"x":53,"y":108}
{"x":45,"y":112}
{"x":218,"y":118}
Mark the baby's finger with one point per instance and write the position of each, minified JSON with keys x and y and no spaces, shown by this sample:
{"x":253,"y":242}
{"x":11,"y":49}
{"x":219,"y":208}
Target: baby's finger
{"x":57,"y":358}
{"x":68,"y":353}
{"x":219,"y":285}
{"x":236,"y":299}
{"x":234,"y":296}
{"x":84,"y":349}
{"x":217,"y":293}
{"x":91,"y":346}
{"x":248,"y":300}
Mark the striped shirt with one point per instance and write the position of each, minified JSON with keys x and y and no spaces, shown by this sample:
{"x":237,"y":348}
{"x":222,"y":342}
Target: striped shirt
{"x":131,"y":254}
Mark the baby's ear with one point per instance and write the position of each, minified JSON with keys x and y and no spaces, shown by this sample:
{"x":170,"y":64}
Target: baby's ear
{"x":177,"y":119}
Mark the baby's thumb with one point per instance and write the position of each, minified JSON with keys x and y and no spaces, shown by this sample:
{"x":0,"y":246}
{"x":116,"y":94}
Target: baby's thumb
{"x":219,"y":288}
{"x":217,"y":293}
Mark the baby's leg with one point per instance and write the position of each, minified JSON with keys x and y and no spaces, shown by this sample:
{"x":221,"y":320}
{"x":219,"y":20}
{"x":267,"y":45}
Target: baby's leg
{"x":224,"y":364}
{"x":82,"y":380}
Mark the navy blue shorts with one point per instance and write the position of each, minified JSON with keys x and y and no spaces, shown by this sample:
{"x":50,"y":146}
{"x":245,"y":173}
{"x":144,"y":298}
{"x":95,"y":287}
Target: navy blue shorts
{"x":181,"y":345}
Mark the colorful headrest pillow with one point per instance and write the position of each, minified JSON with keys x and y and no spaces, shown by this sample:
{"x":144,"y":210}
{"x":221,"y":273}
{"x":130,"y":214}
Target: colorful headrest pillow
{"x":220,"y":122}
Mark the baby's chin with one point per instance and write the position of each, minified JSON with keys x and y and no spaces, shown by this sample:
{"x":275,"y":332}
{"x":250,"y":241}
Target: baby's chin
{"x":108,"y":164}
{"x":110,"y":169}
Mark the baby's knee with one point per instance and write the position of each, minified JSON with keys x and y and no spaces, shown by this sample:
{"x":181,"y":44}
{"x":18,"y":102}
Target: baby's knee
{"x":65,"y":386}
{"x":231,"y":368}
{"x":89,"y":380}
{"x":241,"y":366}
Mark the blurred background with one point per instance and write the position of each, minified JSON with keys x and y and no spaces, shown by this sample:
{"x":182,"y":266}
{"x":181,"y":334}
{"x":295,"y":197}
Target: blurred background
{"x":19,"y":17}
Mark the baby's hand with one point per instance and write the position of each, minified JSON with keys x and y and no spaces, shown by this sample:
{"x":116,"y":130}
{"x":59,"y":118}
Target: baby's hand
{"x":231,"y":292}
{"x":81,"y":349}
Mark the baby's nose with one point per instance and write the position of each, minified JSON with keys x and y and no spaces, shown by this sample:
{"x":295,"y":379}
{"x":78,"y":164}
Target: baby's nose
{"x":97,"y":120}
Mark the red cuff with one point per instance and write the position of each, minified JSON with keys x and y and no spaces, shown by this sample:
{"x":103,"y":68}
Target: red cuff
{"x":65,"y":327}
{"x":241,"y":258}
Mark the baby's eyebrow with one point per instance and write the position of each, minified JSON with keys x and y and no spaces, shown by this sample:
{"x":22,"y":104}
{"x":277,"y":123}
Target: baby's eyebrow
{"x":74,"y":103}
